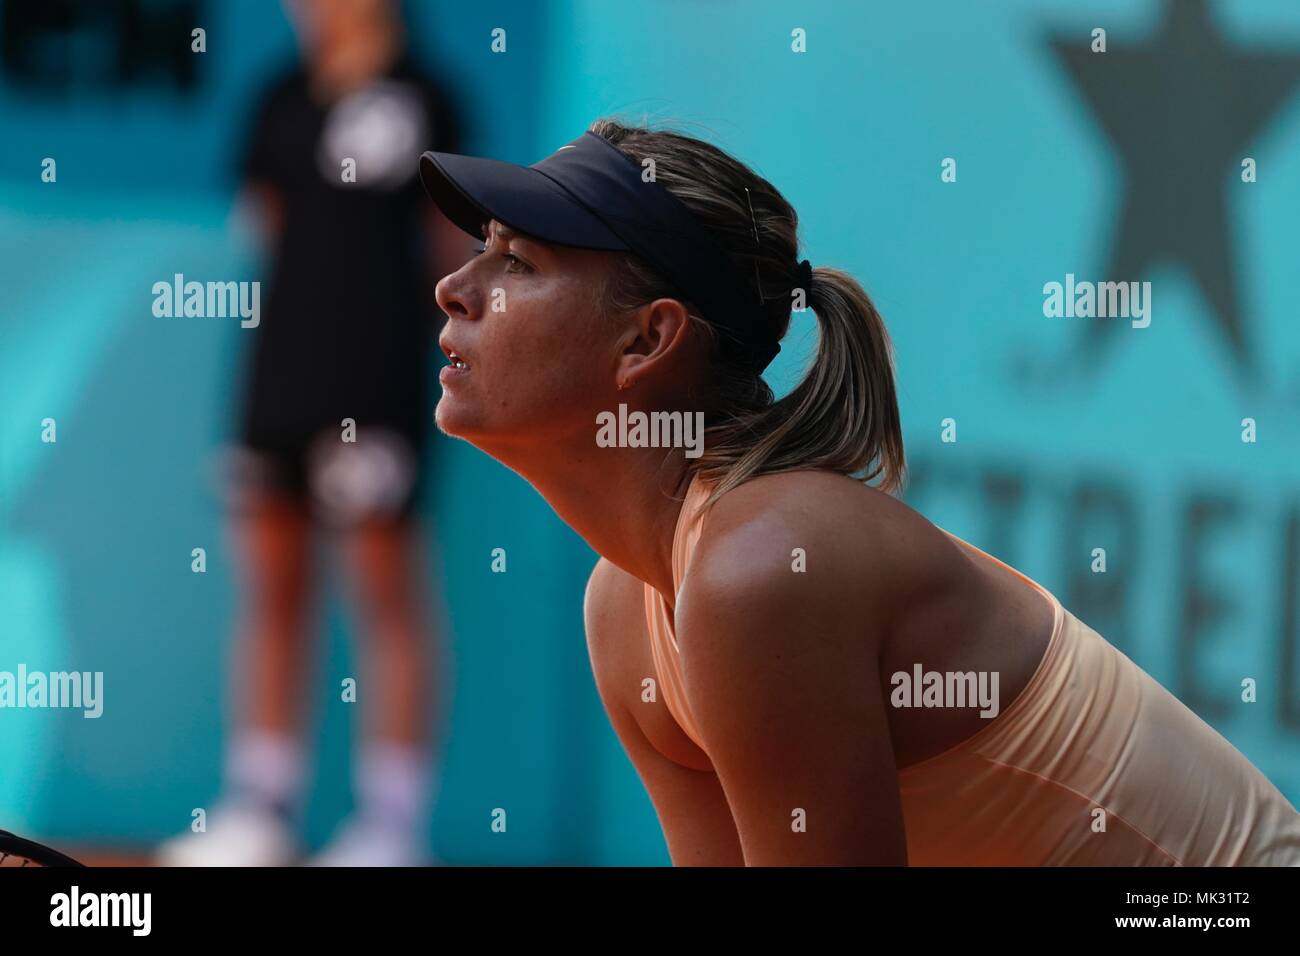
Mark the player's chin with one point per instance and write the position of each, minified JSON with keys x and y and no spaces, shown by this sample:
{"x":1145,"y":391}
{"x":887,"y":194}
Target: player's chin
{"x":462,"y":416}
{"x":452,"y":416}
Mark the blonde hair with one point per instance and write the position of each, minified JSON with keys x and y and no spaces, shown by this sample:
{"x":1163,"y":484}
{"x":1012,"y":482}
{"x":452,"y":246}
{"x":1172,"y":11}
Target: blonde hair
{"x":843,"y":416}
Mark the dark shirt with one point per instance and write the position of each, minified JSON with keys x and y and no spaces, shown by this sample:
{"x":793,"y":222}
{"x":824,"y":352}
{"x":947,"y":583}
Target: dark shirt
{"x":347,"y":317}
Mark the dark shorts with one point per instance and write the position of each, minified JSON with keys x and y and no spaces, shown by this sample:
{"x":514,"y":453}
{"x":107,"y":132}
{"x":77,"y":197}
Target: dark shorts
{"x":378,"y":476}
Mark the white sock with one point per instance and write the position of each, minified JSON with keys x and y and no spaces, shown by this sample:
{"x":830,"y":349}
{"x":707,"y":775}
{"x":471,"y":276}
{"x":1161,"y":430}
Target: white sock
{"x":268,"y":767}
{"x":394,"y":785}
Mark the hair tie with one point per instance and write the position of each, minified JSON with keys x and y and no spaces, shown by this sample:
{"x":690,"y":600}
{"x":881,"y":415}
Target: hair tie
{"x":804,"y":277}
{"x":765,"y":353}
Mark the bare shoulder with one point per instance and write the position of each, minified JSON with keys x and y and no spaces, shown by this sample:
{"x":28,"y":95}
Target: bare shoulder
{"x":820,"y":539}
{"x":612,"y":600}
{"x":780,"y":619}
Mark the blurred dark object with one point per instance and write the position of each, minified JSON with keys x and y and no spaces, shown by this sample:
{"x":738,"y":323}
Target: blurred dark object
{"x":57,"y":47}
{"x":15,"y":851}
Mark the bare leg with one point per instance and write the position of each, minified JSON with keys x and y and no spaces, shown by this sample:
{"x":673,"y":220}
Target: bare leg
{"x":394,"y":771}
{"x":386,"y":570}
{"x":264,"y":762}
{"x":273,"y":540}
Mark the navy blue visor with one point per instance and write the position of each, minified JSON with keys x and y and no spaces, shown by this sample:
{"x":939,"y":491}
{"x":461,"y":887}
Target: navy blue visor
{"x":591,"y":195}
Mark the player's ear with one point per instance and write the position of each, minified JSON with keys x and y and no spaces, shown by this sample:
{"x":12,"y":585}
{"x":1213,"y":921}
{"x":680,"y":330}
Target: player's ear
{"x":658,"y":333}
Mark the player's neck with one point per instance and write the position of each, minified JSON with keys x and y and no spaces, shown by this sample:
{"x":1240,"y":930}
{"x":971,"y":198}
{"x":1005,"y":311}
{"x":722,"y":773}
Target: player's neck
{"x":625,"y":505}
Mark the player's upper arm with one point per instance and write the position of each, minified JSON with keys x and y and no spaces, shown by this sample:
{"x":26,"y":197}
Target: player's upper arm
{"x":780,"y":667}
{"x":690,"y":804}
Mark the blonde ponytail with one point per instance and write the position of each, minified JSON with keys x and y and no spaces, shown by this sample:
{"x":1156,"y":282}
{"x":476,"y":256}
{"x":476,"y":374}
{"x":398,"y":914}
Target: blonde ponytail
{"x":844,"y":415}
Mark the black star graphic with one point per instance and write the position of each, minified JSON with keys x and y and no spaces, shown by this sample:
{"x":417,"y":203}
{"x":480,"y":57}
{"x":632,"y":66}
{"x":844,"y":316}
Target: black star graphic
{"x":1180,"y":109}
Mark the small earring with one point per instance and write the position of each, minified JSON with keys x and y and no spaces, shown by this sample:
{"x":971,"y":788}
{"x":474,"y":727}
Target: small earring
{"x":622,"y":384}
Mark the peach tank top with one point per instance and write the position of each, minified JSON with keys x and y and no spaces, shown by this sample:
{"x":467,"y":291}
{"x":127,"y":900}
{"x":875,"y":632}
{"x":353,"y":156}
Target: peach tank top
{"x":1090,"y":740}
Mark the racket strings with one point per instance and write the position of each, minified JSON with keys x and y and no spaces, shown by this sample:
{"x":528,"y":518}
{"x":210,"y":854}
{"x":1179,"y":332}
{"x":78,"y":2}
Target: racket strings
{"x":15,"y":851}
{"x":13,"y":859}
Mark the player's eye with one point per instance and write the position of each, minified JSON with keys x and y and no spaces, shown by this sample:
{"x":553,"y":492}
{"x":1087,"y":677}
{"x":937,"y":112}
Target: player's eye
{"x":515,"y":263}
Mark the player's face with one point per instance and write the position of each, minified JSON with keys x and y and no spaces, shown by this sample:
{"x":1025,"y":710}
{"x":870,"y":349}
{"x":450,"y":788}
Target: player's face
{"x":539,"y":352}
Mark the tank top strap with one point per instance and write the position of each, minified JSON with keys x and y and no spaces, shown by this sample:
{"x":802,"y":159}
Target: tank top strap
{"x":690,"y":525}
{"x":664,"y":649}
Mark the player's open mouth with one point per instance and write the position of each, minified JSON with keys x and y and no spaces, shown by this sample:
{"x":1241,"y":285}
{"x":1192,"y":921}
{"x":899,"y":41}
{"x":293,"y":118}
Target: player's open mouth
{"x":458,"y":367}
{"x":457,"y":360}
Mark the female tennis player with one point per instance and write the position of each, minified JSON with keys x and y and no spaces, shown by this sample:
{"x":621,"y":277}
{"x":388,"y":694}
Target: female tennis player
{"x":803,"y":670}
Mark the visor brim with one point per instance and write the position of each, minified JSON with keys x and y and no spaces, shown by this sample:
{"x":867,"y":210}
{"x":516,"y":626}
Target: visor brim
{"x":471,"y":190}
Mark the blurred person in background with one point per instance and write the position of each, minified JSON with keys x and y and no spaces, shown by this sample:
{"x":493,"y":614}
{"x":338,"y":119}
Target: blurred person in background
{"x":331,"y":435}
